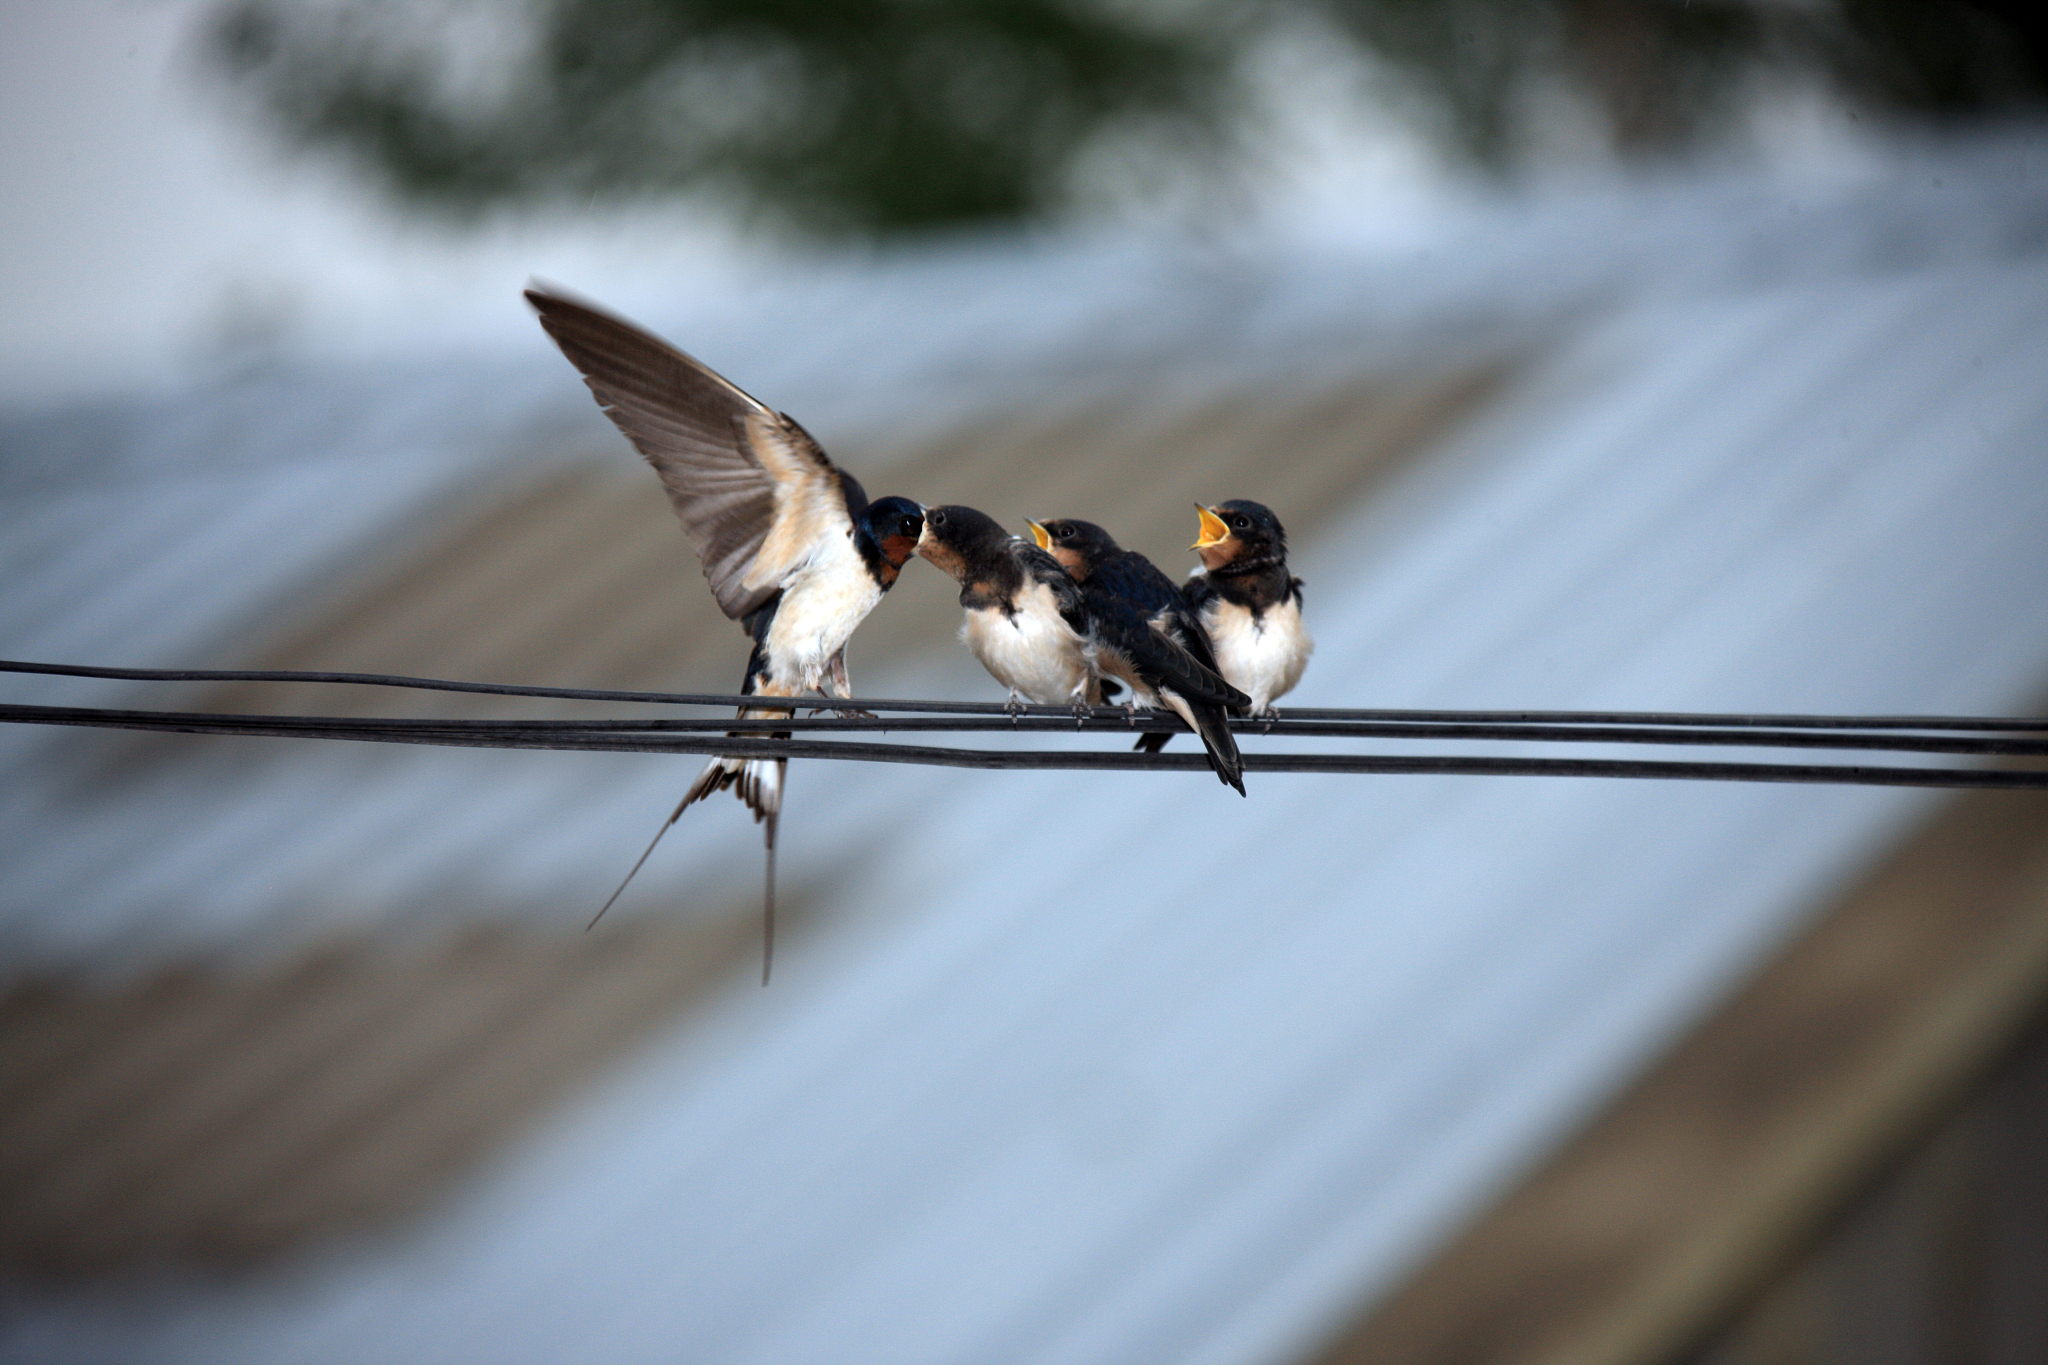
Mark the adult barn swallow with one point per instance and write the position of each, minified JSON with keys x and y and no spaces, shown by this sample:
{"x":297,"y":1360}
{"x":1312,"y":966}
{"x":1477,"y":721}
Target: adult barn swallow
{"x":1026,"y":620}
{"x":789,"y":542}
{"x":1142,"y":632}
{"x":1247,"y":602}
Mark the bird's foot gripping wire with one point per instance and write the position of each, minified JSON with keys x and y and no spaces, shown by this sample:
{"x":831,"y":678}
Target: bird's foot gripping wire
{"x":1014,"y":707}
{"x":1269,"y":715}
{"x":840,"y":686}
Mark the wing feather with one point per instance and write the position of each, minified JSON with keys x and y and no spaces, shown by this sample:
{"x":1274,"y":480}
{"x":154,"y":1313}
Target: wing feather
{"x":1135,"y":580}
{"x":809,"y":508}
{"x":1157,"y":656}
{"x":753,"y":491}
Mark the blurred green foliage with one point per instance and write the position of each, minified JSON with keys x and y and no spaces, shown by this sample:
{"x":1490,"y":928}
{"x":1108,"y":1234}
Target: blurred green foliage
{"x":872,"y":116}
{"x":877,"y":117}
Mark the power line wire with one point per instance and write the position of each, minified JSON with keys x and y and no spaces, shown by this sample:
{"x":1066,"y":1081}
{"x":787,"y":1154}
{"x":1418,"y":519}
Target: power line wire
{"x":1114,"y":723}
{"x":657,"y":737}
{"x":1382,"y":715}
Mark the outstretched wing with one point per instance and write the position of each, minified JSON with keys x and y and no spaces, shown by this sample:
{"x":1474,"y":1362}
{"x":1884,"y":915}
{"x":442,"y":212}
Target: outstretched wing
{"x":754,"y":492}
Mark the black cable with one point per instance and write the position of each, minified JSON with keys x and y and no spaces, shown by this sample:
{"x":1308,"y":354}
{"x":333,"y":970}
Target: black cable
{"x":1155,"y":722}
{"x":1976,"y":724}
{"x":649,"y":737}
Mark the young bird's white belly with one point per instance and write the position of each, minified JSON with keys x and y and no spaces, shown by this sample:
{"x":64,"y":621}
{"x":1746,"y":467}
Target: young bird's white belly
{"x":823,"y":600}
{"x":1263,"y":659}
{"x":1035,"y":652}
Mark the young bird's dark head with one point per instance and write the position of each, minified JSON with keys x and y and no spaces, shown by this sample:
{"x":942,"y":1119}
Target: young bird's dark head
{"x":894,"y":524}
{"x":1078,"y":545}
{"x":1239,"y":532}
{"x":955,"y":537}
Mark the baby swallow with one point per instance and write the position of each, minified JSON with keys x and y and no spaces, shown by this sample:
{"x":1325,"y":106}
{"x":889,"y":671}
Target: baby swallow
{"x":1248,"y":603}
{"x":1142,"y":632}
{"x":1026,"y":620}
{"x":790,"y":544}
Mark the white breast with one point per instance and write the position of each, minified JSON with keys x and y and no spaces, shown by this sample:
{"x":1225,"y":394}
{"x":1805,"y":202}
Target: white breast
{"x":823,"y":599}
{"x":1264,"y":658}
{"x":1035,"y":651}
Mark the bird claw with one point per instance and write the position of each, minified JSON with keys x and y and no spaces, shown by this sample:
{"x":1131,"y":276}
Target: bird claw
{"x":1269,"y":715}
{"x":846,"y":712}
{"x":1014,"y":706}
{"x":1081,"y":712}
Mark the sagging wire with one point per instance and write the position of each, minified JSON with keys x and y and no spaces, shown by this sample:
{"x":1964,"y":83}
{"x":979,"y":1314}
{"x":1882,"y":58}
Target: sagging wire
{"x":2002,"y":737}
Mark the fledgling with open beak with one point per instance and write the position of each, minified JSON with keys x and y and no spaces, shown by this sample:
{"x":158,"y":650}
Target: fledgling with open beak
{"x":1248,"y":602}
{"x":1142,"y":633}
{"x":1026,"y":620}
{"x":790,"y":544}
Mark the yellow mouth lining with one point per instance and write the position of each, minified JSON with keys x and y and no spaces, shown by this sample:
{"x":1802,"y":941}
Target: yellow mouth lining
{"x":1214,"y":532}
{"x":1039,"y":534}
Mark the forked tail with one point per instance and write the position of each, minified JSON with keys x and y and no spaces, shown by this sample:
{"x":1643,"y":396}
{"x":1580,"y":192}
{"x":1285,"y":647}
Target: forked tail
{"x":1212,"y":723}
{"x":758,"y":782}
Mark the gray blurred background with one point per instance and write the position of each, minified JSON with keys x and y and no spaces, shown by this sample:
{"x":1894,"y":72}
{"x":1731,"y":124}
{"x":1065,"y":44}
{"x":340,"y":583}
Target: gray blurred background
{"x":1675,"y":356}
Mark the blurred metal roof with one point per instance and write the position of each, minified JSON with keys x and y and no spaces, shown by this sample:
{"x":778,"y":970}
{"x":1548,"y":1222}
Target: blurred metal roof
{"x":1056,"y":1066}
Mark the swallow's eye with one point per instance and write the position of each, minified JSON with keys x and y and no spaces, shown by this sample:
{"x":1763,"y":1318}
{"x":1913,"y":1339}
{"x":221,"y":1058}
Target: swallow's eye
{"x":909,"y":526}
{"x":1241,"y":523}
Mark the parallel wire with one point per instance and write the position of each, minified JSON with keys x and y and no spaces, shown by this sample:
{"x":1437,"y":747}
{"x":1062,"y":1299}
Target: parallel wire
{"x":1966,"y":724}
{"x":660,"y":737}
{"x":1115,"y":723}
{"x":708,"y":735}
